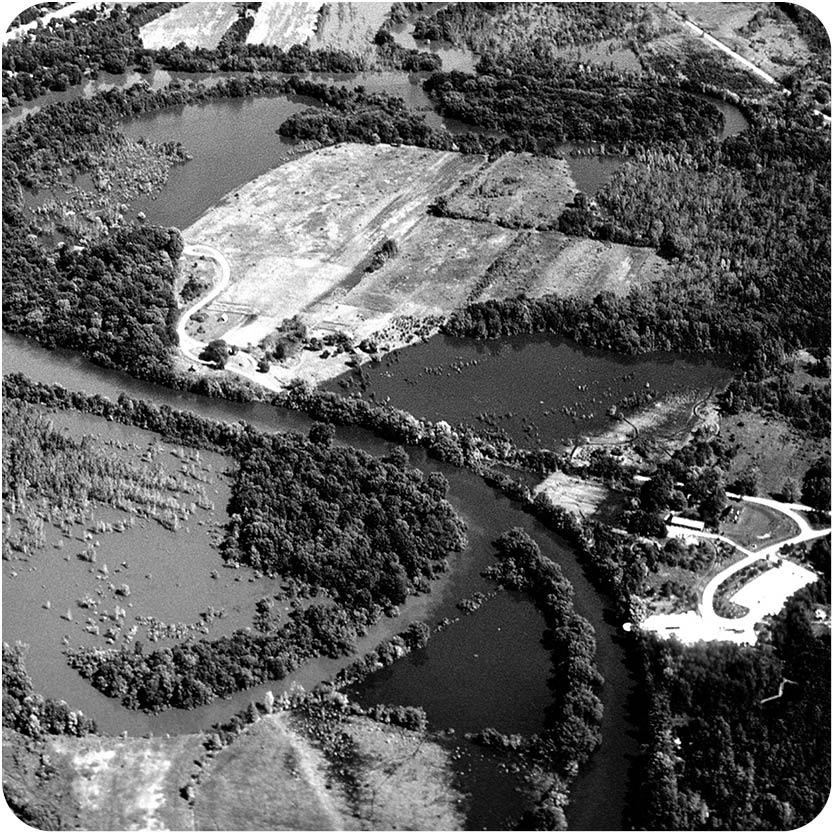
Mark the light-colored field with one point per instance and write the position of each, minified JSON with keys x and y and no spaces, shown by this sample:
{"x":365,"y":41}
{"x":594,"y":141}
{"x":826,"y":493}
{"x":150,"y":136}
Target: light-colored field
{"x":656,"y":430}
{"x":518,"y":189}
{"x":299,"y":238}
{"x":542,"y":262}
{"x":268,"y":779}
{"x":273,"y":778}
{"x":350,"y":27}
{"x":581,"y":497}
{"x":195,"y":24}
{"x":281,"y":23}
{"x":131,"y":783}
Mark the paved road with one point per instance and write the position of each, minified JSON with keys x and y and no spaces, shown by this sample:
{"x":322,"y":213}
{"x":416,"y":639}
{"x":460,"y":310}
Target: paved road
{"x":705,"y":623}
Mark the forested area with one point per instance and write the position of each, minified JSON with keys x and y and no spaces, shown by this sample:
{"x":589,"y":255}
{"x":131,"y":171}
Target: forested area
{"x":551,"y":101}
{"x":363,"y":532}
{"x":720,"y":758}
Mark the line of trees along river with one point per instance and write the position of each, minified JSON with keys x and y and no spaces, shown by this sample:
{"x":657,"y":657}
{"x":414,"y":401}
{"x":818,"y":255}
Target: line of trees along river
{"x":487,"y":515}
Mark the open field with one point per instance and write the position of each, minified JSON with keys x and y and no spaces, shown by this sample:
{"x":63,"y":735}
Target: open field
{"x":771,"y":445}
{"x":130,"y":783}
{"x":543,"y":262}
{"x":517,"y":189}
{"x":278,"y":23}
{"x":269,"y":779}
{"x":299,"y":239}
{"x":758,"y":526}
{"x":757,"y":31}
{"x":350,"y":27}
{"x":581,"y":497}
{"x":195,"y":24}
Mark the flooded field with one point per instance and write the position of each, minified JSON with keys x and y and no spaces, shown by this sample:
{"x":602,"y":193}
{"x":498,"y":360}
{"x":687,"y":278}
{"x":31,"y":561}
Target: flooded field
{"x":540,"y":390}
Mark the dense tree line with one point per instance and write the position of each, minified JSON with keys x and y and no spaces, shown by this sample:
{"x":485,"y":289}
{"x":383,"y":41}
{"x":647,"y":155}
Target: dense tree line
{"x":717,"y":757}
{"x":29,"y":713}
{"x":194,"y":673}
{"x":572,"y":720}
{"x":112,"y":301}
{"x":553,"y":101}
{"x":368,"y":531}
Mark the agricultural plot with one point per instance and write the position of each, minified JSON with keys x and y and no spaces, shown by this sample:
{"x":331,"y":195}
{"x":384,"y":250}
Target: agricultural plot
{"x":350,"y":27}
{"x":518,"y":190}
{"x":278,"y":23}
{"x":195,"y":24}
{"x":539,"y":263}
{"x":300,"y":238}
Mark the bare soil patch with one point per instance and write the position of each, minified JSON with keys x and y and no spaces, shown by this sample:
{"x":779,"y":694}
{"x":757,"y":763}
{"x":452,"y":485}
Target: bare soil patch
{"x":278,"y":23}
{"x":195,"y":24}
{"x":131,"y":783}
{"x":579,"y":496}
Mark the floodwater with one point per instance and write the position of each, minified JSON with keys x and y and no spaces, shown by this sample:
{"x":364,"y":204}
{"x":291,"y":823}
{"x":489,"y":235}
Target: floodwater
{"x":486,"y":513}
{"x":542,"y":390}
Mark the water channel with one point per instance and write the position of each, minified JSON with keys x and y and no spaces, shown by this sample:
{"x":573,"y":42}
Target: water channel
{"x":461,"y":685}
{"x":487,"y":515}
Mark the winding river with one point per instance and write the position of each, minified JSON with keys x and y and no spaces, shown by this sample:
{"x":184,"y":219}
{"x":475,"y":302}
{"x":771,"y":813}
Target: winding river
{"x":461,"y":685}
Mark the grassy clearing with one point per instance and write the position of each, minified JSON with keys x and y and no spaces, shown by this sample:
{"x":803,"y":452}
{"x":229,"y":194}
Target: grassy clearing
{"x":546,"y":262}
{"x":196,"y":24}
{"x":757,"y":31}
{"x":582,"y":497}
{"x":131,"y":783}
{"x":278,"y":23}
{"x":272,"y":778}
{"x":771,"y":445}
{"x":758,"y":526}
{"x":268,"y":779}
{"x":518,"y":189}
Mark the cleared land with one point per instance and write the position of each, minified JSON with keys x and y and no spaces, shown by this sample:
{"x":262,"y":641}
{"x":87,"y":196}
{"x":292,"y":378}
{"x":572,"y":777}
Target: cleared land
{"x":518,"y":189}
{"x":130,"y":783}
{"x":581,"y":497}
{"x":350,"y":27}
{"x":759,"y":32}
{"x":300,"y":238}
{"x":773,"y":447}
{"x":195,"y":24}
{"x":278,"y":23}
{"x":543,"y":262}
{"x":758,"y":526}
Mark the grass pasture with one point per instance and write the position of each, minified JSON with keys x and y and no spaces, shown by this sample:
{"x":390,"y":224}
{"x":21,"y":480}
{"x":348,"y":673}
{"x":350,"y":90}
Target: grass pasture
{"x":195,"y":24}
{"x":268,"y":779}
{"x":278,"y":23}
{"x":518,"y":190}
{"x":544,"y":262}
{"x":758,"y":527}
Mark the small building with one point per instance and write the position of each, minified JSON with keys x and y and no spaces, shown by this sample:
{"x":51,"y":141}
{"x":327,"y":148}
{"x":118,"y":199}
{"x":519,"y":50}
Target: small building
{"x":686,"y":523}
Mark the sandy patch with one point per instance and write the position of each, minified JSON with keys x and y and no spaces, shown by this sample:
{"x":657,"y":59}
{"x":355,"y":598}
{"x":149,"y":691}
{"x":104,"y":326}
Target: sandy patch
{"x":278,"y":23}
{"x":196,"y":24}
